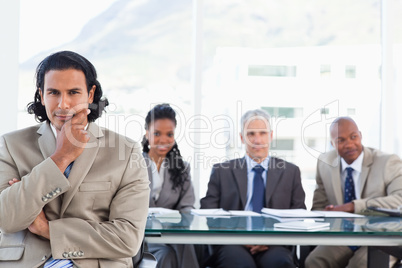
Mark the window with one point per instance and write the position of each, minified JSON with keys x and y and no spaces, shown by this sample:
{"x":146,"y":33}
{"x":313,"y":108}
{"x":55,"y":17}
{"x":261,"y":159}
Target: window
{"x":283,"y":144}
{"x":278,"y":71}
{"x":287,"y":112}
{"x":325,"y":70}
{"x":256,"y":54}
{"x":350,"y":71}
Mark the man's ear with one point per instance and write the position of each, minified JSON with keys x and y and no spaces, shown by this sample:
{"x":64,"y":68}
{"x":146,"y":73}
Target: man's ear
{"x":241,"y":138}
{"x":91,"y":94}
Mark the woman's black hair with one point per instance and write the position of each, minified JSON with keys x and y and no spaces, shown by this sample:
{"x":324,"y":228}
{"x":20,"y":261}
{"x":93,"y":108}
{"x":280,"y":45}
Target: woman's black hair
{"x":176,"y":166}
{"x":65,"y":60}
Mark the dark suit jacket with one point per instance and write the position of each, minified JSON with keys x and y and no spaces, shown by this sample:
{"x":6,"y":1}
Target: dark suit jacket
{"x":181,"y":198}
{"x":227,"y":187}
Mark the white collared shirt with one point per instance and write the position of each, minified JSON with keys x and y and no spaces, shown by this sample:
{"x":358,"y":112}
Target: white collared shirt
{"x":55,"y":131}
{"x":157,"y":178}
{"x":250,"y":178}
{"x":357,"y":170}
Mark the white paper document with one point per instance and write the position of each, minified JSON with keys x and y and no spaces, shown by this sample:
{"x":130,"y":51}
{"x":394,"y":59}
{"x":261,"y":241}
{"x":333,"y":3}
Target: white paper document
{"x":291,"y":213}
{"x":210,"y":212}
{"x":165,"y":214}
{"x":302,"y":225}
{"x":162,"y":211}
{"x":243,"y":213}
{"x":303,"y":213}
{"x":340,"y":214}
{"x":221,"y":212}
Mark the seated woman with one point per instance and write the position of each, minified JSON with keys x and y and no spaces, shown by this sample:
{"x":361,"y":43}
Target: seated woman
{"x":170,"y":178}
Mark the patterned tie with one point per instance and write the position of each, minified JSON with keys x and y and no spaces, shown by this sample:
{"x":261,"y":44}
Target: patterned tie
{"x":60,"y":263}
{"x":348,"y":196}
{"x":68,"y":169}
{"x":258,"y":198}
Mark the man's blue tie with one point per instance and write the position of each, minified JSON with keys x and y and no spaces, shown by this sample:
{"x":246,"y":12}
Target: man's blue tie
{"x":60,"y":263}
{"x":258,"y":198}
{"x":348,"y":196}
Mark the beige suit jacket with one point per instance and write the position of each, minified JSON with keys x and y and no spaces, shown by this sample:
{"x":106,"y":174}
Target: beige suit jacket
{"x":96,"y":217}
{"x":381,"y":181}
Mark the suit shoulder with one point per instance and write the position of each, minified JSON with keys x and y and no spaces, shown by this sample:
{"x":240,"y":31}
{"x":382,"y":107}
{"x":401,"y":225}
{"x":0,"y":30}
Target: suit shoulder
{"x":22,"y":135}
{"x":112,"y":135}
{"x":328,"y":157}
{"x":281,"y":163}
{"x":233,"y":163}
{"x":380,"y":156}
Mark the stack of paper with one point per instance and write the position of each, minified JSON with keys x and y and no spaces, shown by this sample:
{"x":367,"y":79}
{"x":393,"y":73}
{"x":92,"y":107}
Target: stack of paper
{"x":161,"y":211}
{"x":210,"y":212}
{"x":216,"y":212}
{"x":301,"y":225}
{"x":303,"y":213}
{"x":165,"y":214}
{"x":291,"y":213}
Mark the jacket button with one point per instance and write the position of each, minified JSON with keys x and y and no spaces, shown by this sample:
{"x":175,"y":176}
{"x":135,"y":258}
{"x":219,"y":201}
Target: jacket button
{"x":80,"y":253}
{"x":58,"y":190}
{"x":65,"y":255}
{"x":48,"y":196}
{"x":44,"y":199}
{"x":75,"y":254}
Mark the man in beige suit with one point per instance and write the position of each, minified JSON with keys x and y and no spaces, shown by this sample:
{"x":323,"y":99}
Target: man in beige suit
{"x":377,"y":181}
{"x":71,"y":192}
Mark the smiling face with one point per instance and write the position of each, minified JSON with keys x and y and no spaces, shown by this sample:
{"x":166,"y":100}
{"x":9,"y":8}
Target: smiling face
{"x":160,"y":135}
{"x":257,"y":137}
{"x":346,"y":138}
{"x":65,"y":93}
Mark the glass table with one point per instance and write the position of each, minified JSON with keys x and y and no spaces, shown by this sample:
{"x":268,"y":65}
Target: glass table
{"x":186,"y":228}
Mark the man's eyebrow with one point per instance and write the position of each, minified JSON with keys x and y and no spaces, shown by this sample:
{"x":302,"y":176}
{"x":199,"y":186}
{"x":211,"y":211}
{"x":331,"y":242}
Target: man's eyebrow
{"x":71,"y":89}
{"x":50,"y":88}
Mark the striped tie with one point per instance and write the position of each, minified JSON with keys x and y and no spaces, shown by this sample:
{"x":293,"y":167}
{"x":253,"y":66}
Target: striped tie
{"x":59,"y":263}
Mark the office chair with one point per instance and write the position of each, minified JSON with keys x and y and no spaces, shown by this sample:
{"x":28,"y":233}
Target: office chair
{"x":144,"y":259}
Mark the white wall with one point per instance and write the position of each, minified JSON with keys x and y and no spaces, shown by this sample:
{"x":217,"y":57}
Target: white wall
{"x":9,"y":29}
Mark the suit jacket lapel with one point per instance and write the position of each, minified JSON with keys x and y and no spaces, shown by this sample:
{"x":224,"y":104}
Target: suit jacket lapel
{"x":47,"y":146}
{"x":366,"y":165}
{"x":273,"y":176}
{"x":82,"y":165}
{"x":166,"y":191}
{"x":149,"y":170}
{"x":240,"y":174}
{"x":336,"y":180}
{"x":47,"y":140}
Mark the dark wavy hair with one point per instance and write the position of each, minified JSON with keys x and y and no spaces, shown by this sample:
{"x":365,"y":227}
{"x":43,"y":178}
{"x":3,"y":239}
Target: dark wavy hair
{"x":176,"y":167}
{"x":65,"y":60}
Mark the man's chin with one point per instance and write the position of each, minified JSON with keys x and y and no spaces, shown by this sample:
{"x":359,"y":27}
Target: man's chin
{"x":258,"y":157}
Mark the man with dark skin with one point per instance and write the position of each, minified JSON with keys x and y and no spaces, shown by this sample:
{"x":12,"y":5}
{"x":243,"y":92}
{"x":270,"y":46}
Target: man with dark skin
{"x":377,"y":181}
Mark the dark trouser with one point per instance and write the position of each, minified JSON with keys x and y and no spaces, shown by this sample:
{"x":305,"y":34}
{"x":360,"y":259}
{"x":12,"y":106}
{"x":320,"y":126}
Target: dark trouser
{"x":232,"y":256}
